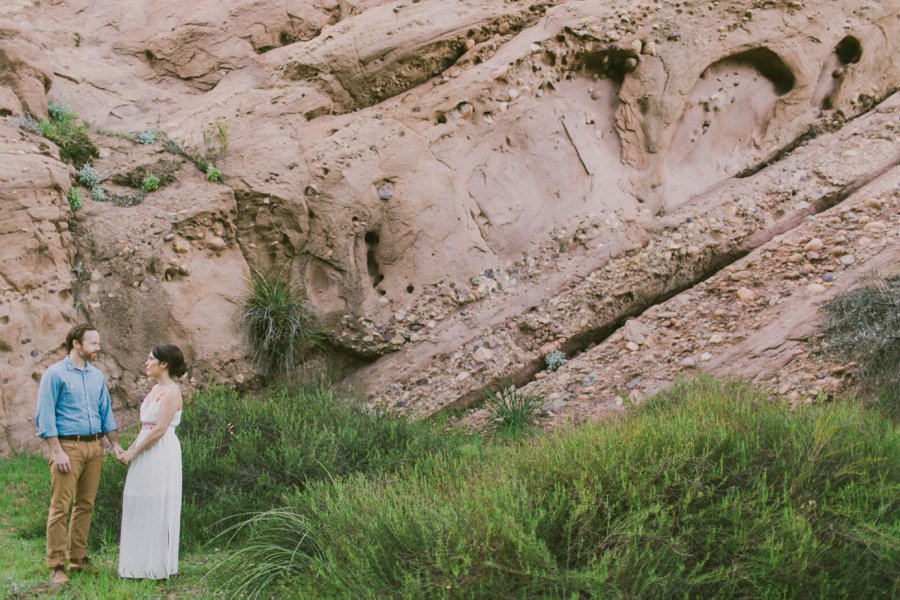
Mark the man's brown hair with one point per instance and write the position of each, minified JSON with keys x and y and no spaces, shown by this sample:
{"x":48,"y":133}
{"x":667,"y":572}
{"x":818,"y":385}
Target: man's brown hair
{"x":77,"y":333}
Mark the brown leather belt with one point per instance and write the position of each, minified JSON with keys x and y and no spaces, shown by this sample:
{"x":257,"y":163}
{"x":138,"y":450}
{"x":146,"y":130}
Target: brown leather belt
{"x":91,"y":437}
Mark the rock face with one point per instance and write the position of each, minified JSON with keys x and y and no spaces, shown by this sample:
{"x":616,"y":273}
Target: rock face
{"x":458,"y":183}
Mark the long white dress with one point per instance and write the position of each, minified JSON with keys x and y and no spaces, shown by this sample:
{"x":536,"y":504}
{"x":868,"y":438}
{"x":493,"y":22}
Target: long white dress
{"x":151,"y":503}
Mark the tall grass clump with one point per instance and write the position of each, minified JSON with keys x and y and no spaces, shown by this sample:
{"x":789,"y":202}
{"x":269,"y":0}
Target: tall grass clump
{"x":280,"y":327}
{"x":243,"y":454}
{"x":511,"y":409}
{"x":708,"y":491}
{"x":864,"y":325}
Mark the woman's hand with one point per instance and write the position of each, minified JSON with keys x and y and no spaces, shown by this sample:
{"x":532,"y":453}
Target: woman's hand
{"x":127,"y":456}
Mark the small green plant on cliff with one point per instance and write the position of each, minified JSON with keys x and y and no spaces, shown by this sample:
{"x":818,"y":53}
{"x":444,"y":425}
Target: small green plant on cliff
{"x":280,"y":327}
{"x":74,"y":197}
{"x":62,"y":128}
{"x":215,"y":145}
{"x":87,"y":176}
{"x":98,"y":194}
{"x":864,"y":325}
{"x":150,"y":183}
{"x":146,"y":137}
{"x":554,"y":360}
{"x":511,"y":409}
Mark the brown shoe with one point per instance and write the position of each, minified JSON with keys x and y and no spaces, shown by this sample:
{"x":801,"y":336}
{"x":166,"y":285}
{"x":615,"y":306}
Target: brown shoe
{"x":79,"y":565}
{"x":58,"y":577}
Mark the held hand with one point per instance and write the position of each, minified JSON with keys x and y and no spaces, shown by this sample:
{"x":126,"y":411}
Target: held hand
{"x":127,"y":457}
{"x":117,"y":450}
{"x":61,"y":461}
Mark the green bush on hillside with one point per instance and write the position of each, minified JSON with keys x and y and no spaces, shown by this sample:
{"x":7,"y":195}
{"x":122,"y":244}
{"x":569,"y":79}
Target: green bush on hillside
{"x":62,"y":128}
{"x":708,"y":491}
{"x":243,"y":454}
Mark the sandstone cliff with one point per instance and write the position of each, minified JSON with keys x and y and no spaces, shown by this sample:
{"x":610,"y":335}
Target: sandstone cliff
{"x":462,"y":185}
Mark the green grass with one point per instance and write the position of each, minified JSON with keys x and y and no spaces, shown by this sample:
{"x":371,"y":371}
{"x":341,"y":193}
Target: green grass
{"x":24,"y":496}
{"x":243,"y":454}
{"x":709,"y":491}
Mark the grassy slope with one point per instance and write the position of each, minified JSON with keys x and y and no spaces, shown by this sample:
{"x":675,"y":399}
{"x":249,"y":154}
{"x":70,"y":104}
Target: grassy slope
{"x":707,"y":491}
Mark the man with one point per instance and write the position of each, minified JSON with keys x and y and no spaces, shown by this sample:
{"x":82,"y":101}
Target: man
{"x":73,"y":415}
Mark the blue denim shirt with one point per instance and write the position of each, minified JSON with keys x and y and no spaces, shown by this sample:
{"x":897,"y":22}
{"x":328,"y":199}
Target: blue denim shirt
{"x":73,"y":401}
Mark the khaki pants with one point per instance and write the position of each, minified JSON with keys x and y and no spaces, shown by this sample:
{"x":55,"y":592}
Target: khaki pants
{"x":79,"y":485}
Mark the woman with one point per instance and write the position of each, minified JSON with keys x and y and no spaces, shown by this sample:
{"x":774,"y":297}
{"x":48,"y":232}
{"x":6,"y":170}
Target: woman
{"x":151,"y":500}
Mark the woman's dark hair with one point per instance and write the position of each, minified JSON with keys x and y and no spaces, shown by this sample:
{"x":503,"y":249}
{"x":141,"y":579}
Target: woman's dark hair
{"x":77,"y":333}
{"x":172,"y":356}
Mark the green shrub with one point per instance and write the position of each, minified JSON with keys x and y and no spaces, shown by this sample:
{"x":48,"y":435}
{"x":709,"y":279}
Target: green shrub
{"x":98,"y":194}
{"x":864,"y":325}
{"x":511,"y":409}
{"x":150,"y":183}
{"x":554,"y":360}
{"x":74,"y":198}
{"x":87,"y":176}
{"x":709,"y":491}
{"x":280,"y":327}
{"x":59,"y":112}
{"x":213,"y":174}
{"x":146,"y":137}
{"x":244,"y":454}
{"x":75,"y":147}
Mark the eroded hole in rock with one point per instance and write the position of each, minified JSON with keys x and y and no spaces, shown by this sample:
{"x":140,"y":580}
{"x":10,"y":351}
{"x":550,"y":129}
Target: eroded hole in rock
{"x":727,"y":117}
{"x":286,"y":37}
{"x":410,"y":289}
{"x":769,"y":65}
{"x":322,"y":287}
{"x":613,"y":63}
{"x":848,"y":50}
{"x":372,"y":240}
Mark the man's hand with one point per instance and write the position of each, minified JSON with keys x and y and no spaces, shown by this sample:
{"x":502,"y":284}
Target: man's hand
{"x":120,"y":454}
{"x":61,"y":460}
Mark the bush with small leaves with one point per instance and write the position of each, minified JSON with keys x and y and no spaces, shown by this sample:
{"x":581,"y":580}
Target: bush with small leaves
{"x":98,"y":194}
{"x":150,"y":183}
{"x":87,"y":176}
{"x":75,"y":147}
{"x":555,"y":360}
{"x":74,"y":197}
{"x":28,"y":123}
{"x":213,"y":174}
{"x":146,"y":137}
{"x":59,"y":111}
